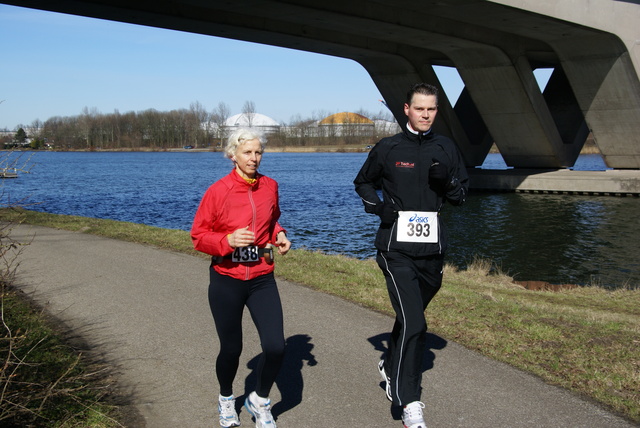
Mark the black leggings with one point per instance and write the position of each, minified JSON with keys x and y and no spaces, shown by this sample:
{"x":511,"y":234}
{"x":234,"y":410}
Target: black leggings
{"x":227,"y":299}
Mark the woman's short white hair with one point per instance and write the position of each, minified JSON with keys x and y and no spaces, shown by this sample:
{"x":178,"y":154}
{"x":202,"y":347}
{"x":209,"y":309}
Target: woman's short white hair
{"x":241,"y":136}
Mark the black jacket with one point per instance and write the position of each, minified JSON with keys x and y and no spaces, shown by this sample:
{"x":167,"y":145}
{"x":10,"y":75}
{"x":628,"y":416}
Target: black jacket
{"x":399,"y":165}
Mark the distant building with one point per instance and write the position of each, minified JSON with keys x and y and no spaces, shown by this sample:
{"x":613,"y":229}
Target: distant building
{"x":345,"y":124}
{"x":252,"y":120}
{"x":255,"y":121}
{"x":345,"y":118}
{"x":386,"y":127}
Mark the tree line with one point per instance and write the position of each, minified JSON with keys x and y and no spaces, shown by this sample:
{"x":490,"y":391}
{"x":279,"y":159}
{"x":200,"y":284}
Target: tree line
{"x":155,"y":130}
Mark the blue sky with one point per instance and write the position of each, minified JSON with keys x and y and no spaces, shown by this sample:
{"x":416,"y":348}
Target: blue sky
{"x":56,"y":65}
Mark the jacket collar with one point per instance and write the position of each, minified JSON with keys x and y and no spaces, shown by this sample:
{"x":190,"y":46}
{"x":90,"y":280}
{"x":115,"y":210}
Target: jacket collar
{"x":417,"y":137}
{"x":239,"y":179}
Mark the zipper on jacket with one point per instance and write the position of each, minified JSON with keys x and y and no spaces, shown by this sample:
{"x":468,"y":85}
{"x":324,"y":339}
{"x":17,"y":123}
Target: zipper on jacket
{"x":252,"y":226}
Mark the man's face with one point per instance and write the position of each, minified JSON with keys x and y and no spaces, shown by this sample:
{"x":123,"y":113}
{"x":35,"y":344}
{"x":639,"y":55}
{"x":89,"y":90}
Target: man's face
{"x":421,"y":112}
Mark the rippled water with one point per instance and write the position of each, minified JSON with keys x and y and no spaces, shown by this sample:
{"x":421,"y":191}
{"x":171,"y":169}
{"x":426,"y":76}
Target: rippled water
{"x":555,"y":238}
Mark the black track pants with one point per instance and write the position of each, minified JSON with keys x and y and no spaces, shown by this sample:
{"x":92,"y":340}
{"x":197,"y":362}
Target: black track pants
{"x":227,"y":299}
{"x":411,"y":283}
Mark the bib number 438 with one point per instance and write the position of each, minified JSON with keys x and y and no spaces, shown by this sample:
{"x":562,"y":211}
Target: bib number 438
{"x":245,"y":254}
{"x":418,"y":226}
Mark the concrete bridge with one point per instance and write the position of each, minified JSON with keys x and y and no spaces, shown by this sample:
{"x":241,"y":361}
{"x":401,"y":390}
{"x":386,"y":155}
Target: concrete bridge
{"x":591,"y":45}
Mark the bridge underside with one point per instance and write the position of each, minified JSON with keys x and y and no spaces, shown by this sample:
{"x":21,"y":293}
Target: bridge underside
{"x":495,"y":48}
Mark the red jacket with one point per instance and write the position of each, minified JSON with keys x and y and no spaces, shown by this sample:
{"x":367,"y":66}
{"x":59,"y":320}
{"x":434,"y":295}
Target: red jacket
{"x":230,"y":204}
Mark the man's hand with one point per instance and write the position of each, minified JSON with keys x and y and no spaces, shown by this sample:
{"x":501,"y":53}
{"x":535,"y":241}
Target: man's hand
{"x":438,"y":173}
{"x":439,"y":177}
{"x":387,"y":212}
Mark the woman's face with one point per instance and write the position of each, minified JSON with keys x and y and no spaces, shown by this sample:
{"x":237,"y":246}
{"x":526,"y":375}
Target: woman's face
{"x":248,"y":157}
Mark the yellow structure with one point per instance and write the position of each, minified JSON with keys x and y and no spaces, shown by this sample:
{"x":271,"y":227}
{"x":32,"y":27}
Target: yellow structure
{"x":345,"y":118}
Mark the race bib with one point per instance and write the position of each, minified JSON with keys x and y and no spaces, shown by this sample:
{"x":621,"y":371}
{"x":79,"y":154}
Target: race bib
{"x":418,"y":226}
{"x":245,"y":254}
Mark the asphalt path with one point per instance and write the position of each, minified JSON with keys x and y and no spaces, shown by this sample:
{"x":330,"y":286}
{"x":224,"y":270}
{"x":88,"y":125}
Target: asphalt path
{"x":145,"y":311}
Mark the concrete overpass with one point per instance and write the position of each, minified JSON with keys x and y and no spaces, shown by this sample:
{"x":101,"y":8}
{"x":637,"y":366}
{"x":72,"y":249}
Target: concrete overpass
{"x":592,"y":46}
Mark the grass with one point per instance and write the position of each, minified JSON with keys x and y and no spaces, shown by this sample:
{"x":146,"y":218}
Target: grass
{"x":46,"y":381}
{"x":586,"y":339}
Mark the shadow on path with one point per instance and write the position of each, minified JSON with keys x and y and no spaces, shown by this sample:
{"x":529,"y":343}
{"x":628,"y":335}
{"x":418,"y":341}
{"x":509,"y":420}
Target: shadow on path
{"x":434,"y":342}
{"x":289,"y":381}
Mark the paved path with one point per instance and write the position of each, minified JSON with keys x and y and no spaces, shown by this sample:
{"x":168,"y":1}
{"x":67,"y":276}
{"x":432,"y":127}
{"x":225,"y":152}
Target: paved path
{"x":146,"y":311}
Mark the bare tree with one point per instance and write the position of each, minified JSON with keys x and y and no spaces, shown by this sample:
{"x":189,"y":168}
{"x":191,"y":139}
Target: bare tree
{"x":36,"y":128}
{"x":300,"y":130}
{"x":249,"y":111}
{"x":201,"y":117}
{"x":194,"y":126}
{"x":219,"y":117}
{"x":87,"y":122}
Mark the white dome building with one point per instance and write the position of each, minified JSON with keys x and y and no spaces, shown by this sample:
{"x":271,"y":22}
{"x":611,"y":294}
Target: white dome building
{"x":252,"y":120}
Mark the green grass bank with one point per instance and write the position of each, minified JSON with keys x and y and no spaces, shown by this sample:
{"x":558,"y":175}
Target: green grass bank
{"x":585,"y":339}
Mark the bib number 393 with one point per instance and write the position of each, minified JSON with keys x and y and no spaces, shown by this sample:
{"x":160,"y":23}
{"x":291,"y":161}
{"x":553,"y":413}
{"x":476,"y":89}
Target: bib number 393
{"x":245,"y":254}
{"x":418,"y":226}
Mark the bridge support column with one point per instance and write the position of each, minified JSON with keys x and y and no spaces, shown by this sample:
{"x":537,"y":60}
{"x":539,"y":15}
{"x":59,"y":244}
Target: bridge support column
{"x":479,"y":138}
{"x":566,"y":113}
{"x":513,"y":108}
{"x":607,"y":89}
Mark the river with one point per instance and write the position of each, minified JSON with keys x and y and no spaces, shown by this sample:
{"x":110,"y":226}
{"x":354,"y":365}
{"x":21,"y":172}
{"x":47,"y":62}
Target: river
{"x":555,"y":238}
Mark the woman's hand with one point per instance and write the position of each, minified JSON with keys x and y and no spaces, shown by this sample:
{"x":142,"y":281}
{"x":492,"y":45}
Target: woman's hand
{"x":283,"y":243}
{"x":241,"y":238}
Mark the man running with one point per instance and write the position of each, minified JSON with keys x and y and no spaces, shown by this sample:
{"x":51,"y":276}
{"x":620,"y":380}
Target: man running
{"x":417,"y":170}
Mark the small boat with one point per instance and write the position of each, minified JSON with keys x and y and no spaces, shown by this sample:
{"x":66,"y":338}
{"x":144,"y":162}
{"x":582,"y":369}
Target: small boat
{"x":8,"y":173}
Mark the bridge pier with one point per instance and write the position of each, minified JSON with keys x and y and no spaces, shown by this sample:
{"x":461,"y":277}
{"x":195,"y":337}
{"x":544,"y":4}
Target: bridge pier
{"x":515,"y":113}
{"x":608,"y":92}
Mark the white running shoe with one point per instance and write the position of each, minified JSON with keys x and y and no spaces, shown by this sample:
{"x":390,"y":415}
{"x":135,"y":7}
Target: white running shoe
{"x":386,"y":379}
{"x":260,"y":411}
{"x":227,"y":410}
{"x":412,"y":415}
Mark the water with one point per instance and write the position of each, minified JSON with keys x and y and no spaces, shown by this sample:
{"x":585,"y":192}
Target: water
{"x":589,"y":162}
{"x":554,"y":238}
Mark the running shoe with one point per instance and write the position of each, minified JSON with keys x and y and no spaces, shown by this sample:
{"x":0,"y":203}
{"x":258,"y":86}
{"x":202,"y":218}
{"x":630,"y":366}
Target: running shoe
{"x":261,"y":412}
{"x":386,"y":379}
{"x":412,"y":415}
{"x":227,"y":410}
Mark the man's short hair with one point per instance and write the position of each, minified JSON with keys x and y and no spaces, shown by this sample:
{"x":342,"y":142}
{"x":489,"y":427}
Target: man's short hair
{"x":422,"y":88}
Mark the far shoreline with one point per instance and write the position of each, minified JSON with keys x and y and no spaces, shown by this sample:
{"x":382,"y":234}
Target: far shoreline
{"x":588,"y":148}
{"x":271,"y":149}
